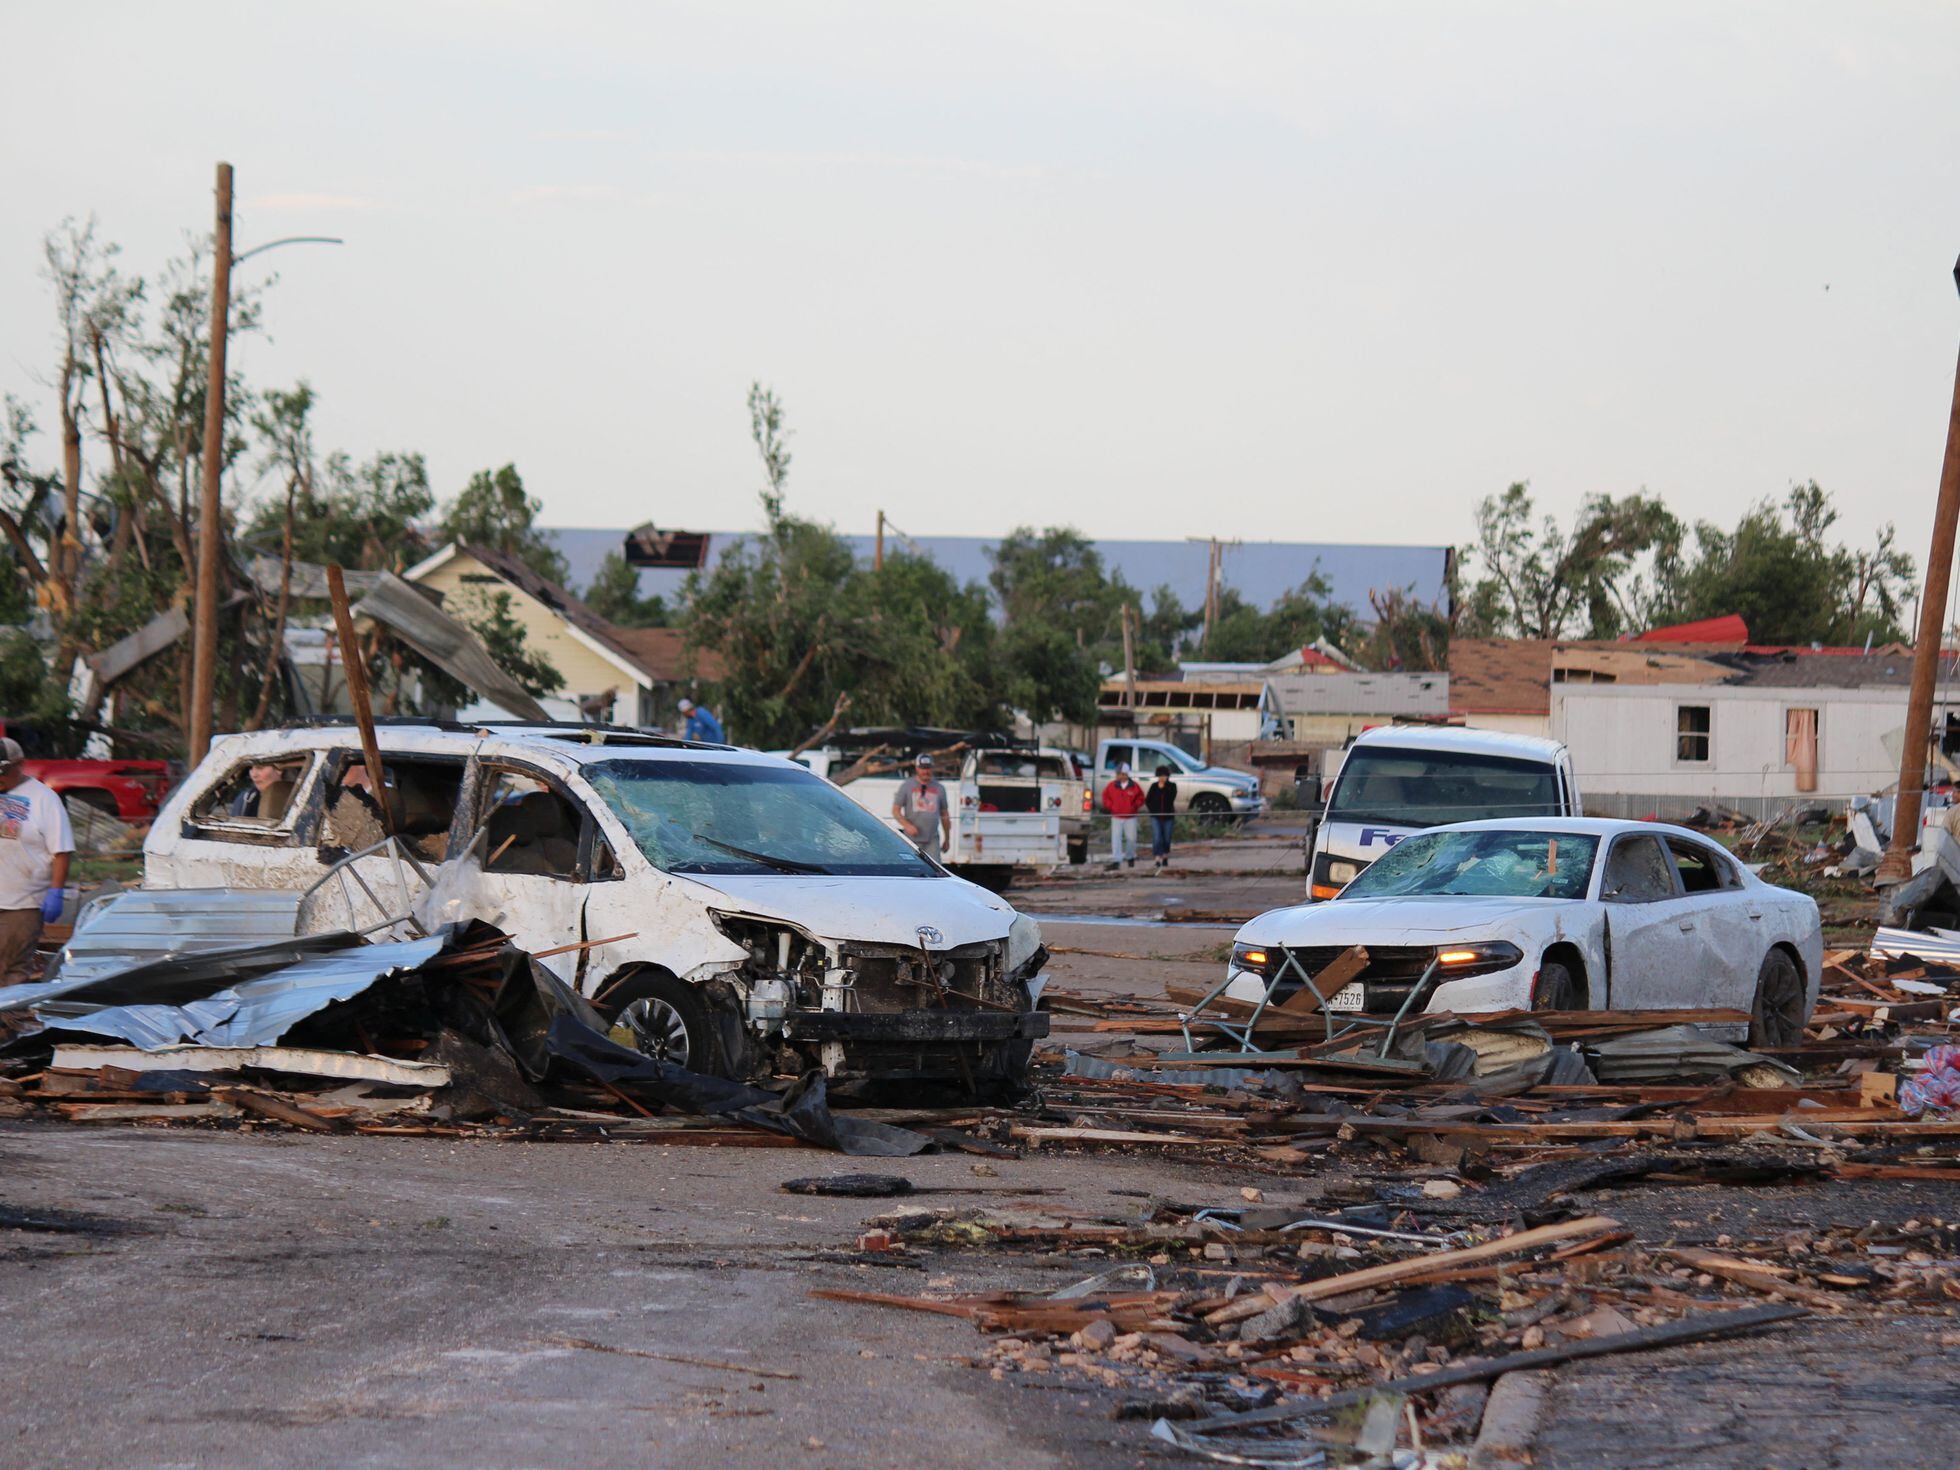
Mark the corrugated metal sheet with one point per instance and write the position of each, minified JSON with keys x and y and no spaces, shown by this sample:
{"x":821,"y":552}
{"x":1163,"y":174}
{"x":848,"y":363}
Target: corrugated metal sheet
{"x":143,"y":924}
{"x":1363,"y":694}
{"x":251,"y":1013}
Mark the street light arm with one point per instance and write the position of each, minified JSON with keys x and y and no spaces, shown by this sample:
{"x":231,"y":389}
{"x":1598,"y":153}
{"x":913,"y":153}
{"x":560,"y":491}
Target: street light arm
{"x":288,"y":240}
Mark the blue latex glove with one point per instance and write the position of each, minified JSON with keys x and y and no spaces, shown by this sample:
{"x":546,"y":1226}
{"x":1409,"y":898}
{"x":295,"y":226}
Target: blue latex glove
{"x":51,"y":906}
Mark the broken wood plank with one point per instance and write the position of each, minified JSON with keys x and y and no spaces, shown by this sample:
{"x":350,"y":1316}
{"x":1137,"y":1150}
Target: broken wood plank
{"x":279,"y":1109}
{"x":1668,"y":1334}
{"x":1370,"y":1277}
{"x":1104,"y":1135}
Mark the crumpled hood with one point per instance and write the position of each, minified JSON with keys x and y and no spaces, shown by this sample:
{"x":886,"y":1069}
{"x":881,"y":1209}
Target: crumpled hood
{"x":869,"y":910}
{"x":1398,"y":920}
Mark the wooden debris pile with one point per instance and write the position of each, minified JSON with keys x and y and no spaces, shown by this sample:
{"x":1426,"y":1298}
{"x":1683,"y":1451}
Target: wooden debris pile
{"x":1252,"y":1315}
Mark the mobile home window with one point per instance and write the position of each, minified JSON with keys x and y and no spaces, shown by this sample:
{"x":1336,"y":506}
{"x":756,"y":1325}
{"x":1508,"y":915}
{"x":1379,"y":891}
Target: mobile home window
{"x":1691,"y":738}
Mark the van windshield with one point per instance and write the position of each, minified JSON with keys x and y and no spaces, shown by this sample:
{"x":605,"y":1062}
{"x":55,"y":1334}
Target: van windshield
{"x":733,"y":817}
{"x":1482,"y":864}
{"x":1432,"y":788}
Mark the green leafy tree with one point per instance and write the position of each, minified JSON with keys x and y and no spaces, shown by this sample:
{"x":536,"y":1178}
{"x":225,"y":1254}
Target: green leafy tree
{"x":615,"y":595}
{"x":495,"y":510}
{"x":1062,"y":616}
{"x":1780,"y":569}
{"x":1245,"y":633}
{"x":1538,"y":581}
{"x":797,"y":621}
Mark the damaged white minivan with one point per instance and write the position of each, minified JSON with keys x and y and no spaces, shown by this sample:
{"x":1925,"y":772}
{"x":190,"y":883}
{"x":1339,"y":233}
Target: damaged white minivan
{"x":728,"y":910}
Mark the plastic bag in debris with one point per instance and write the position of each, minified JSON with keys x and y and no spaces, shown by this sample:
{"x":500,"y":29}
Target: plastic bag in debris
{"x":1935,"y":1090}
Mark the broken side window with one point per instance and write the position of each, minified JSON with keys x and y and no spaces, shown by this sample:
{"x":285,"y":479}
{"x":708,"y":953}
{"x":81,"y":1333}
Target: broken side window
{"x":1701,"y":870}
{"x":254,"y":800}
{"x":532,"y":827}
{"x":1637,"y":871}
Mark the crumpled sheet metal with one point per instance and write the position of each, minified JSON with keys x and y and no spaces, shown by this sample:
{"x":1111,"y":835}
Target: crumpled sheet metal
{"x":253,"y":1012}
{"x":1669,"y":1053}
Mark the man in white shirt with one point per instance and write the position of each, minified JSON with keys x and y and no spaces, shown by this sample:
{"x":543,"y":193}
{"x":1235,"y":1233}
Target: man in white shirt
{"x":35,"y":843}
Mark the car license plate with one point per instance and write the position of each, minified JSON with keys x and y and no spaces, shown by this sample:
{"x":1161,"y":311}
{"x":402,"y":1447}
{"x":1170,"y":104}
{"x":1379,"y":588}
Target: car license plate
{"x":1347,"y":998}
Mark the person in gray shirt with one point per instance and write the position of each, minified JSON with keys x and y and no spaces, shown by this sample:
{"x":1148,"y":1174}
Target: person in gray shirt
{"x":920,"y":808}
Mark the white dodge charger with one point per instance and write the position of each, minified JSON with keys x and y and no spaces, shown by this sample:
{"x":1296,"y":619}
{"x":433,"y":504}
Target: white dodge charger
{"x":1552,"y":913}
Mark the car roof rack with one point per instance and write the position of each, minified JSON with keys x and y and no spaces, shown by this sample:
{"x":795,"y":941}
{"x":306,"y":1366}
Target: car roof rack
{"x":568,"y":731}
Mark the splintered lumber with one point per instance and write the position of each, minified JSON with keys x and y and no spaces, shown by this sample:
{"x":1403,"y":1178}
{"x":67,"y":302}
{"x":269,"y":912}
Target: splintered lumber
{"x":1345,"y":966}
{"x":1394,"y":1272}
{"x":1698,"y":1328}
{"x":279,"y":1109}
{"x":1756,"y":1276}
{"x":1104,"y":1135}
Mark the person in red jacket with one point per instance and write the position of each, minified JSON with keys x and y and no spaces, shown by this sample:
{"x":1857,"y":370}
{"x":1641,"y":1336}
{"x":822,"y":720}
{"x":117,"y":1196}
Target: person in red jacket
{"x":1122,"y":799}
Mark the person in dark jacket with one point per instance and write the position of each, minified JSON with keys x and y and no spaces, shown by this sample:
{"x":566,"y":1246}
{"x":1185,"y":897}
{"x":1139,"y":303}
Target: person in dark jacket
{"x":1160,"y":800}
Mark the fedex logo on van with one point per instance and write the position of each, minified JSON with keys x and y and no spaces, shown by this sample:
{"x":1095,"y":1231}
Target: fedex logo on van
{"x":1388,"y":837}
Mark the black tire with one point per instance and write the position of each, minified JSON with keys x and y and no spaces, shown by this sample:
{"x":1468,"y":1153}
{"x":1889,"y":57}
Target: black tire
{"x":1078,"y":851}
{"x":1210,"y":804}
{"x":1556,"y":989}
{"x":1776,"y":1018}
{"x":667,"y":1019}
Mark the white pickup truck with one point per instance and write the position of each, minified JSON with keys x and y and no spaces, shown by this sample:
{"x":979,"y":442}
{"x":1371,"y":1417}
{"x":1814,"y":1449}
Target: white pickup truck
{"x":1206,"y":791}
{"x":1012,"y":807}
{"x":1399,"y":779}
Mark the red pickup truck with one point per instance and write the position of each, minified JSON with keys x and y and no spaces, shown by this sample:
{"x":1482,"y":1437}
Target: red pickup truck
{"x":130,"y":790}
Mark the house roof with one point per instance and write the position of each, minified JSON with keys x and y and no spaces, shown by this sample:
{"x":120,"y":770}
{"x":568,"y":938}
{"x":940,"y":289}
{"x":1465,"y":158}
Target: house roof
{"x":1883,"y":668}
{"x":1501,"y":676}
{"x":657,"y":655}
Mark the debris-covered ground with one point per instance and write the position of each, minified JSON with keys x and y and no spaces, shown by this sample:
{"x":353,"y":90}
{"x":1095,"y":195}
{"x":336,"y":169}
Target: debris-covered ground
{"x":1601,"y":1236}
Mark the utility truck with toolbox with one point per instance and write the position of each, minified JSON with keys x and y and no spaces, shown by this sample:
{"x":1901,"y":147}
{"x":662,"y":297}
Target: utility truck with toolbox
{"x":1012,"y":805}
{"x":1399,"y":779}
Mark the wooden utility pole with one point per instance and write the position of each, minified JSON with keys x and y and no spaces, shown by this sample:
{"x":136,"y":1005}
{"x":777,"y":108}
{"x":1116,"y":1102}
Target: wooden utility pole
{"x":1129,"y":663}
{"x":210,"y":524}
{"x":1214,"y":558}
{"x":1897,"y":863}
{"x":878,"y":553}
{"x":355,"y":671}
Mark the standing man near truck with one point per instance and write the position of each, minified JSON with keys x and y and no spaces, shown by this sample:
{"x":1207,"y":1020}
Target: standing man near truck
{"x":920,"y":809}
{"x":35,"y":843}
{"x":1123,"y":799}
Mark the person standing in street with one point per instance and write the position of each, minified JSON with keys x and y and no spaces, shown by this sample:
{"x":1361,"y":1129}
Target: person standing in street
{"x":920,"y":808}
{"x":1161,"y":802}
{"x":700,"y":724}
{"x":35,"y":844}
{"x":1122,"y":799}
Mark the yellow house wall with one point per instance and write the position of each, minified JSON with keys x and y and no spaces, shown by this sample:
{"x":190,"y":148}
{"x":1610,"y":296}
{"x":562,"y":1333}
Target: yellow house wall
{"x":583,"y":671}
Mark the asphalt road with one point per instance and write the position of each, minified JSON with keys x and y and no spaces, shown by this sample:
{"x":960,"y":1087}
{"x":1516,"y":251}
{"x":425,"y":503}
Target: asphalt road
{"x":272,"y":1299}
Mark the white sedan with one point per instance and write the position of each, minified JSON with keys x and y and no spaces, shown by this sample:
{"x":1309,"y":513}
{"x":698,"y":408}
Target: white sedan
{"x":1552,"y":913}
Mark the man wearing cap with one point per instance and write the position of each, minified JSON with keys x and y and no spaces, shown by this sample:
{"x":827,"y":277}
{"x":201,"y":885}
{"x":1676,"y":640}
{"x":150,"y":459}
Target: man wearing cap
{"x":35,"y":842}
{"x":920,"y":808}
{"x":1122,"y":799}
{"x":700,"y":724}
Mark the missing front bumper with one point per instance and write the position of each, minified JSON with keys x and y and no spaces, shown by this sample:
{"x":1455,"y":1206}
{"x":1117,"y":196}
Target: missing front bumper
{"x":913,"y":1027}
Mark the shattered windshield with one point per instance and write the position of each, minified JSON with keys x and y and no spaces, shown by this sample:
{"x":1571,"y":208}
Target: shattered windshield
{"x":733,"y":817}
{"x":1484,"y":864}
{"x":1432,"y":788}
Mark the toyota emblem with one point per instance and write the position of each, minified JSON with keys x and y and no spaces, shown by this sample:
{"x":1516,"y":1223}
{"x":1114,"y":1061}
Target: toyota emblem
{"x":929,"y":935}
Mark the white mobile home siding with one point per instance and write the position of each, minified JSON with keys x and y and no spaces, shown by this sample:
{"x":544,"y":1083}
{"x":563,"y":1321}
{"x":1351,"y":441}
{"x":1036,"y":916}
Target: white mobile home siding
{"x":1623,"y":743}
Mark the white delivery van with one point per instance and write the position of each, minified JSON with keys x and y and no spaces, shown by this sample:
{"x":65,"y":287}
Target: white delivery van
{"x":1012,"y":807}
{"x":1399,"y":779}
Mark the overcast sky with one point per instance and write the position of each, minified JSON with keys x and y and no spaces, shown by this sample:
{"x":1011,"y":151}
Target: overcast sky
{"x":1270,"y":271}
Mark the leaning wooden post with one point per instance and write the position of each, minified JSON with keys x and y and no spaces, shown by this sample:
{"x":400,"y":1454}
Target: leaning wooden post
{"x":355,"y":672}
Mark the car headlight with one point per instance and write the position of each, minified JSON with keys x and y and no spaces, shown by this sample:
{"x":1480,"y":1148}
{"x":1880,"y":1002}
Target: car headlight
{"x":1342,"y":872}
{"x":1455,"y":961}
{"x":1260,"y":959}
